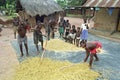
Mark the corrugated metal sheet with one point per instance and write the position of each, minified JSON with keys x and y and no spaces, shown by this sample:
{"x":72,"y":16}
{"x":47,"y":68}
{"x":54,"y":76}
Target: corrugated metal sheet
{"x":102,"y":3}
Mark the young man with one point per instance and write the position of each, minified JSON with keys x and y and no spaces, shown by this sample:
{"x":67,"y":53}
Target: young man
{"x":22,"y":38}
{"x":38,"y":36}
{"x":92,"y":48}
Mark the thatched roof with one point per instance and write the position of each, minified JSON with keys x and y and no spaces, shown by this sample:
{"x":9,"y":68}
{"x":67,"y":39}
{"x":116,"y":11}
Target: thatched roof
{"x":41,"y":7}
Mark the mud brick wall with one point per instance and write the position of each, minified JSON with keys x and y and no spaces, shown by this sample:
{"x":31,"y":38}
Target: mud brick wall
{"x":104,"y":21}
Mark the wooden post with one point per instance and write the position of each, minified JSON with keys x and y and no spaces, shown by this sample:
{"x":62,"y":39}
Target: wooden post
{"x":118,"y":19}
{"x":117,"y":22}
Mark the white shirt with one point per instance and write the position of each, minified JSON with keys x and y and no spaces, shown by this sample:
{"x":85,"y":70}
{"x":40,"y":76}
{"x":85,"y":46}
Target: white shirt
{"x":83,"y":27}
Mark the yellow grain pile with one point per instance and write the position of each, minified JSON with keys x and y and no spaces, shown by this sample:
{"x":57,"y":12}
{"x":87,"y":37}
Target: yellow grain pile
{"x":60,"y":45}
{"x":32,"y":69}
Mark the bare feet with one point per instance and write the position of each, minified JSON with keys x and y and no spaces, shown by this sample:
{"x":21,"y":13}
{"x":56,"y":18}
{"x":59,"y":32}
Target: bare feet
{"x":96,"y":59}
{"x":27,"y":54}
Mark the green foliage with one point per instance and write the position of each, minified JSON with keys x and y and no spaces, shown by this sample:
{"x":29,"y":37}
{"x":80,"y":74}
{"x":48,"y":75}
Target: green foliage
{"x":62,"y":3}
{"x":8,"y":6}
{"x":70,"y":3}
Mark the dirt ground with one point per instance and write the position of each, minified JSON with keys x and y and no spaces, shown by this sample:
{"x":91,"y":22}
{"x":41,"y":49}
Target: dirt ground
{"x":8,"y":58}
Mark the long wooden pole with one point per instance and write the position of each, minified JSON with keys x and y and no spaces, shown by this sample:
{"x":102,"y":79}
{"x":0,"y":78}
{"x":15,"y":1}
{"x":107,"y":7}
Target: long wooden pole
{"x":118,"y":19}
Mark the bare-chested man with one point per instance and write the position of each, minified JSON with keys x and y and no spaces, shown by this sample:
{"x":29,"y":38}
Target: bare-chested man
{"x":91,"y":49}
{"x":38,"y":35}
{"x":22,"y":38}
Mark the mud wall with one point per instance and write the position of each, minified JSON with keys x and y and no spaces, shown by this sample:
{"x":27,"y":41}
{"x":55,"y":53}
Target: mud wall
{"x":104,"y":21}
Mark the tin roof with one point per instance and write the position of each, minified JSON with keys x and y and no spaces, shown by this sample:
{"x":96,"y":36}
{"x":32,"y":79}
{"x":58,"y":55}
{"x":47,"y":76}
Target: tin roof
{"x":102,"y":3}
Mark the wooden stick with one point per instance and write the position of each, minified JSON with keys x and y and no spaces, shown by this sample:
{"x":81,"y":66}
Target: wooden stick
{"x":44,"y":51}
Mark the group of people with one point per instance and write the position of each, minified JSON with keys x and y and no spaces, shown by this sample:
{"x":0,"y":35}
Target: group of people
{"x":79,"y":37}
{"x":71,"y":33}
{"x":21,"y":28}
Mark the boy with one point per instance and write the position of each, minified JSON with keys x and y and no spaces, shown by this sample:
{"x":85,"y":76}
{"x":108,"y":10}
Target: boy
{"x":38,"y":36}
{"x":73,"y":32}
{"x":22,"y":38}
{"x":77,"y":37}
{"x":91,"y":49}
{"x":67,"y":27}
{"x":70,"y":37}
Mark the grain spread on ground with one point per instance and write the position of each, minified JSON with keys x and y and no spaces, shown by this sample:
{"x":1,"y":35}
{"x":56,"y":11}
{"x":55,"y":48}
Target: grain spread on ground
{"x":33,"y":69}
{"x":60,"y":45}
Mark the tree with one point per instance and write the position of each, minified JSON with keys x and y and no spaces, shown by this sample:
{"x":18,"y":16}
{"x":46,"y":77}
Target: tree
{"x":70,"y":3}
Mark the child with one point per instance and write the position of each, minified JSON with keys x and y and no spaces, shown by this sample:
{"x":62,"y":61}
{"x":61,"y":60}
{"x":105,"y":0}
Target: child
{"x":77,"y":37}
{"x":67,"y":28}
{"x":61,"y":27}
{"x":92,"y":48}
{"x":84,"y":32}
{"x":70,"y":37}
{"x":73,"y":32}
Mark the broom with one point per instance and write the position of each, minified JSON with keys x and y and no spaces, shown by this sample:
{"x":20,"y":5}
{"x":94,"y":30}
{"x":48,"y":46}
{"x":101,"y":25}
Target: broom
{"x":44,"y":51}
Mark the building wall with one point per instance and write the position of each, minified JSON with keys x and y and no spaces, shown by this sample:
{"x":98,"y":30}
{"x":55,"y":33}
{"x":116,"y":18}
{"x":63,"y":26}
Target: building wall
{"x":104,"y":21}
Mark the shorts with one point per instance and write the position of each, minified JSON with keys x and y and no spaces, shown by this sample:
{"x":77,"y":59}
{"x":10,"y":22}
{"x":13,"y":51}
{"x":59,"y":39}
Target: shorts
{"x":20,"y":40}
{"x":37,"y":39}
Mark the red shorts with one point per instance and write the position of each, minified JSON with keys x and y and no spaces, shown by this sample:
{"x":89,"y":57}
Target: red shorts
{"x":99,"y":45}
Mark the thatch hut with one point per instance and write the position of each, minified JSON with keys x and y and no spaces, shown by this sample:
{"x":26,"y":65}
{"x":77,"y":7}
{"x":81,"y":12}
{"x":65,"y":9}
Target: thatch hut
{"x":108,"y":17}
{"x":41,"y":10}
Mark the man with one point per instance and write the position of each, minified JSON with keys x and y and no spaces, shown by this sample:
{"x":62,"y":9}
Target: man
{"x":38,"y":36}
{"x":92,"y":48}
{"x":22,"y":38}
{"x":15,"y":25}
